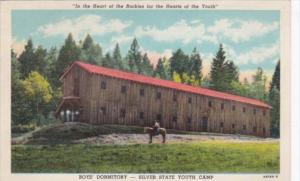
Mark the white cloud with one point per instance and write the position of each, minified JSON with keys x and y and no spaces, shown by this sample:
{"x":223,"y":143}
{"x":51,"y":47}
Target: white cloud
{"x":239,"y":31}
{"x":256,"y":55}
{"x":234,"y":30}
{"x":260,"y":54}
{"x":180,"y":31}
{"x":82,"y":25}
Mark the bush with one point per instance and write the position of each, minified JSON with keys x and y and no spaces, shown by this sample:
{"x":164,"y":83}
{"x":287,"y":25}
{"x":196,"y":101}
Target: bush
{"x":23,"y":128}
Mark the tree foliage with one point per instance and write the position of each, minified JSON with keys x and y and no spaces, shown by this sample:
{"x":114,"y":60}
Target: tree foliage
{"x":91,"y":52}
{"x":274,"y":97}
{"x":68,"y":53}
{"x":36,"y":88}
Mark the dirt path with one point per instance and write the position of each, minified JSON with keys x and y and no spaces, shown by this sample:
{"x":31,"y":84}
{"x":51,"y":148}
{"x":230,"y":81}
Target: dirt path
{"x":171,"y":138}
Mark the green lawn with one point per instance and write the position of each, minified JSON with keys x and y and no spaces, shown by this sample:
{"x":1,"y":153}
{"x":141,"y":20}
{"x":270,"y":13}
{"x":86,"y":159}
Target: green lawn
{"x":204,"y":157}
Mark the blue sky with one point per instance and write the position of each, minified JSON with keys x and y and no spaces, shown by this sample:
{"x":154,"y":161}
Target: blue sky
{"x":250,"y":38}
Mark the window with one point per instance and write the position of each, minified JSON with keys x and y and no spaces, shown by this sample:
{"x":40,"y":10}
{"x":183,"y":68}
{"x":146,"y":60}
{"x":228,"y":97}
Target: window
{"x":141,"y":115}
{"x":142,"y":92}
{"x":222,"y":106}
{"x":189,"y":100}
{"x":103,"y":110}
{"x":221,"y":124}
{"x":175,"y":97}
{"x":122,"y":113}
{"x":233,"y":126}
{"x":123,"y":89}
{"x":233,"y":107}
{"x":158,"y":117}
{"x":254,"y":129}
{"x":158,"y":95}
{"x":209,"y":104}
{"x":103,"y":85}
{"x":254,"y":111}
{"x":244,"y":127}
{"x":174,"y":119}
{"x":244,"y":109}
{"x":264,"y":112}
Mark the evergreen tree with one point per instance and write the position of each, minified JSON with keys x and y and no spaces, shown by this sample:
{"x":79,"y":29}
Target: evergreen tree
{"x":146,"y":66}
{"x":134,"y":57}
{"x":166,"y":65}
{"x":179,"y":62}
{"x":107,"y":61}
{"x":232,"y":73}
{"x":218,"y":71}
{"x":39,"y":61}
{"x":160,"y":71}
{"x":276,"y":77}
{"x":91,"y":52}
{"x":87,"y":42}
{"x":68,"y":53}
{"x":223,"y":72}
{"x":118,"y":58}
{"x":258,"y":87}
{"x":26,"y":59}
{"x":274,"y":97}
{"x":19,"y":106}
{"x":196,"y":65}
{"x":51,"y":59}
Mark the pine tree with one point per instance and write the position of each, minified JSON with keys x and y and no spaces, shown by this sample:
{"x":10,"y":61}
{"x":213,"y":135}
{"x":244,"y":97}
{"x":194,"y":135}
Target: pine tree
{"x":51,"y":59}
{"x":274,"y":97}
{"x":179,"y":62}
{"x":166,"y":65}
{"x":134,"y":57}
{"x":87,"y":43}
{"x":39,"y":61}
{"x":146,"y":66}
{"x":107,"y":61}
{"x":160,"y":71}
{"x":232,"y":72}
{"x":196,"y":65}
{"x":118,"y":58}
{"x":258,"y":85}
{"x":68,"y":53}
{"x":218,"y":71}
{"x":91,"y":52}
{"x":25,"y":59}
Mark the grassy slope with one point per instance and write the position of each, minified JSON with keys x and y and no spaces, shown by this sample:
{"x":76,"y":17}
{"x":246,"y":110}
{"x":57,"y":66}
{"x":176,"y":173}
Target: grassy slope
{"x":204,"y":157}
{"x":67,"y":133}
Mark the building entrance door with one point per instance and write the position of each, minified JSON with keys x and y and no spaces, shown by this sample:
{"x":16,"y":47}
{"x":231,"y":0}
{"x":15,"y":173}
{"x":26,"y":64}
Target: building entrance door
{"x":204,"y":124}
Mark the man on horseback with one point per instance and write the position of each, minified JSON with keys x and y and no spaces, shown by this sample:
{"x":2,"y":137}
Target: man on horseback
{"x":155,"y":127}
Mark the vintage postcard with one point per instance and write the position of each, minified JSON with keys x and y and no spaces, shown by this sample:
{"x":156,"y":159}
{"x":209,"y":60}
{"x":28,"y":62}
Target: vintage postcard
{"x":145,"y":90}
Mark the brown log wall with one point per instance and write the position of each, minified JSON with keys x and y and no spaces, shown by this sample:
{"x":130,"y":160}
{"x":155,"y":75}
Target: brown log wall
{"x":94,"y":99}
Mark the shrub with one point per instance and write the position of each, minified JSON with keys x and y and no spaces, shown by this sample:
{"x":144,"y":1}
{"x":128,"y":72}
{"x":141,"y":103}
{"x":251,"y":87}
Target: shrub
{"x":23,"y":128}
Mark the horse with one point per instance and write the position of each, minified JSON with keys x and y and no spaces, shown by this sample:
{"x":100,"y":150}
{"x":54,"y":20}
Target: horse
{"x":151,"y":133}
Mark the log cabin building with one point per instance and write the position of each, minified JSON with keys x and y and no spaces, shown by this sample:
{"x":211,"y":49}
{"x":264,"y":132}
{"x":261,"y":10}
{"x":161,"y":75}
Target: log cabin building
{"x":98,"y":95}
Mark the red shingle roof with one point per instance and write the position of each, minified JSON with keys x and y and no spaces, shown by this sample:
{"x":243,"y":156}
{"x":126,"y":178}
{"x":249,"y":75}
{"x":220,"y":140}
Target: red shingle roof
{"x":164,"y":83}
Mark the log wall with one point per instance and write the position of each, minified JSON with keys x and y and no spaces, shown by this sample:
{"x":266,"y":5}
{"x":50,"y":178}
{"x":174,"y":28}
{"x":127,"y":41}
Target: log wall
{"x":110,"y":105}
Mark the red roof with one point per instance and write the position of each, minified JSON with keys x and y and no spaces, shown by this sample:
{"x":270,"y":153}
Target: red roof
{"x":164,"y":83}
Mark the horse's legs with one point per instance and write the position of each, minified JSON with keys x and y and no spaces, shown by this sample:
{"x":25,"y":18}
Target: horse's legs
{"x":164,"y":138}
{"x":150,"y":138}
